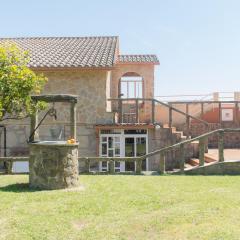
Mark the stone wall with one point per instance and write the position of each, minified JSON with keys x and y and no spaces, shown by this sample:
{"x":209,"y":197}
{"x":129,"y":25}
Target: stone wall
{"x":91,"y":87}
{"x":231,"y":140}
{"x":53,"y":166}
{"x":160,"y":138}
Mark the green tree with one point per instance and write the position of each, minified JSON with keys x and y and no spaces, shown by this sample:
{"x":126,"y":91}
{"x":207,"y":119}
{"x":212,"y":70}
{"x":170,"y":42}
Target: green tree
{"x":17,"y":83}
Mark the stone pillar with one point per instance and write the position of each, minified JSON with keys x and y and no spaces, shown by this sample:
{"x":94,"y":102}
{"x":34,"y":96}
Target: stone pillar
{"x":53,"y":165}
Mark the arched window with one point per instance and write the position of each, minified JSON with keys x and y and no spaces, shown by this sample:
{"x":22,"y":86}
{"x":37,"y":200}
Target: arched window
{"x":131,"y":85}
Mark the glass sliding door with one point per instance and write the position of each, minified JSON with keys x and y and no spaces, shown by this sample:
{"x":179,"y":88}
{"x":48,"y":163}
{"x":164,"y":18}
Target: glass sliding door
{"x":135,"y":146}
{"x":127,"y":143}
{"x":130,"y":151}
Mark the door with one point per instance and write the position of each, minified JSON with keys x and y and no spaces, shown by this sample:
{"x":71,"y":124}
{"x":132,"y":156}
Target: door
{"x":122,"y":145}
{"x":135,"y":146}
{"x":141,"y":150}
{"x":110,"y":146}
{"x":130,"y":151}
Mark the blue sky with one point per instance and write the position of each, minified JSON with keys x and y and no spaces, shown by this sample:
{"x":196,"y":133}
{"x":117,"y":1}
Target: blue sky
{"x":197,"y":42}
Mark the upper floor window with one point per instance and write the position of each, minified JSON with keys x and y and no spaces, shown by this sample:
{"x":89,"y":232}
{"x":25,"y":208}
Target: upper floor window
{"x":131,"y":86}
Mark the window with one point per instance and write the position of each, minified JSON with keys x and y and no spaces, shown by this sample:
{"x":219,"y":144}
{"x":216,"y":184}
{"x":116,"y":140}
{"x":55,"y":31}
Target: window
{"x":131,"y":86}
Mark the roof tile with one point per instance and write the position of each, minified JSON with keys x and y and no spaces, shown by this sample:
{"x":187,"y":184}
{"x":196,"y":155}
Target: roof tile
{"x":48,"y":52}
{"x":138,"y":59}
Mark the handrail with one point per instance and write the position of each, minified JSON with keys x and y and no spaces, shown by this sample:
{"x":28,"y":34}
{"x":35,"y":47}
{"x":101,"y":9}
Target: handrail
{"x":160,"y":151}
{"x":181,"y":112}
{"x":197,"y":101}
{"x":162,"y":103}
{"x":180,"y":145}
{"x":164,"y":149}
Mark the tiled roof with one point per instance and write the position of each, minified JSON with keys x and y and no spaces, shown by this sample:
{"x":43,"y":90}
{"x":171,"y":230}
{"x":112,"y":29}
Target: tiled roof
{"x":84,"y":52}
{"x":138,"y":59}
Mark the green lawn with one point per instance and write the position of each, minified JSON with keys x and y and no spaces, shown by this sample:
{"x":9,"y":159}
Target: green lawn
{"x":123,"y":207}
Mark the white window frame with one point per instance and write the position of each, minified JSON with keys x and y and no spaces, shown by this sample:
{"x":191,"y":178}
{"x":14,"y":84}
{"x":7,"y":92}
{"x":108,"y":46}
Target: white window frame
{"x":122,"y":137}
{"x":136,"y":81}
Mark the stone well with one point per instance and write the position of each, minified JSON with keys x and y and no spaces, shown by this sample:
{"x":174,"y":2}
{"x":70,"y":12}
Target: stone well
{"x":53,"y":165}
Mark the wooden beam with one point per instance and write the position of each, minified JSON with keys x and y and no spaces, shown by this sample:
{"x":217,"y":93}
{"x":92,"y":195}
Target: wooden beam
{"x":221,"y":146}
{"x":182,"y":158}
{"x":55,"y":98}
{"x":188,"y":126}
{"x":153,"y":111}
{"x":202,"y":110}
{"x":236,"y":113}
{"x":161,"y":103}
{"x":14,"y":159}
{"x":87,"y":166}
{"x":162,"y":163}
{"x":34,"y":134}
{"x":139,"y":167}
{"x":220,"y":113}
{"x":137,"y":111}
{"x":187,"y":121}
{"x":202,"y":143}
{"x":120,"y":117}
{"x":73,"y":120}
{"x":170,"y":118}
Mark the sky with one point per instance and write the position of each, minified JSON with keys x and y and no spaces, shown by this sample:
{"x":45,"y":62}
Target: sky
{"x":197,"y":42}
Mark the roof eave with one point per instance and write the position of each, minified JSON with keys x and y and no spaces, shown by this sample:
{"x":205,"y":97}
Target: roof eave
{"x":138,"y":63}
{"x":70,"y":68}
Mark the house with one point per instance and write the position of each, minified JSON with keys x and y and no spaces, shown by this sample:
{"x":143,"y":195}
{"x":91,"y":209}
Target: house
{"x":117,"y":114}
{"x":93,"y":69}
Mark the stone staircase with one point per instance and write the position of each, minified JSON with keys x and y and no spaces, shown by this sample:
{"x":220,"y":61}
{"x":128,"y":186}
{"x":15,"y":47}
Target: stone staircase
{"x":193,"y":148}
{"x":195,"y":161}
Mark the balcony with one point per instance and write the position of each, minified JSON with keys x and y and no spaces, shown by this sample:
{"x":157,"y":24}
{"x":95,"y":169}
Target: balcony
{"x":133,"y":110}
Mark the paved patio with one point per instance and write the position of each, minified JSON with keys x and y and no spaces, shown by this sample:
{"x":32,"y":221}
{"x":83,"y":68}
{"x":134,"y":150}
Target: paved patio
{"x":229,"y":154}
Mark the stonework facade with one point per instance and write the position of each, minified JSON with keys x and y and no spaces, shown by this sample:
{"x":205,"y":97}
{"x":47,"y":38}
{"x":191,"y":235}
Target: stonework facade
{"x":91,"y":68}
{"x":90,"y":86}
{"x":53,"y":166}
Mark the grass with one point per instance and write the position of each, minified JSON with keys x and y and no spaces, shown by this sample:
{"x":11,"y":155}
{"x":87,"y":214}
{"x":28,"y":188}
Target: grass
{"x":123,"y":207}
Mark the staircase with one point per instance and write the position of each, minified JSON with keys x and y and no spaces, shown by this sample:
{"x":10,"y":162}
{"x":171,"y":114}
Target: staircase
{"x":195,"y":161}
{"x":192,"y":148}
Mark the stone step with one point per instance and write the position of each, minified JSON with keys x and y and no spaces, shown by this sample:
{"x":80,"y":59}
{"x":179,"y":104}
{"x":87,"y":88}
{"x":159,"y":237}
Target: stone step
{"x":193,"y":162}
{"x":207,"y":159}
{"x":165,"y":125}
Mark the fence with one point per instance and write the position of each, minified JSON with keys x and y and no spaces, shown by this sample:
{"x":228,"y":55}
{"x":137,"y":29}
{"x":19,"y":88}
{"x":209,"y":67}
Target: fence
{"x":162,"y":152}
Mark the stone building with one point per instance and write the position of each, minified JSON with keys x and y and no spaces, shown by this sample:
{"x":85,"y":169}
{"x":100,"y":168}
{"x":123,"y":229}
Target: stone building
{"x":117,"y":114}
{"x":93,"y":69}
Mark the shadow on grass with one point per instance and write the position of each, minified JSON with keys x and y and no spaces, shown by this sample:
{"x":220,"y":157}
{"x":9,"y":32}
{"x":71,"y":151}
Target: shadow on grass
{"x":18,"y":188}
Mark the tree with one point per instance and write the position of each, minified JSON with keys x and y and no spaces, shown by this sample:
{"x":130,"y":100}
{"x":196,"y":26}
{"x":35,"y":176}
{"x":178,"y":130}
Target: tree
{"x":17,"y":83}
